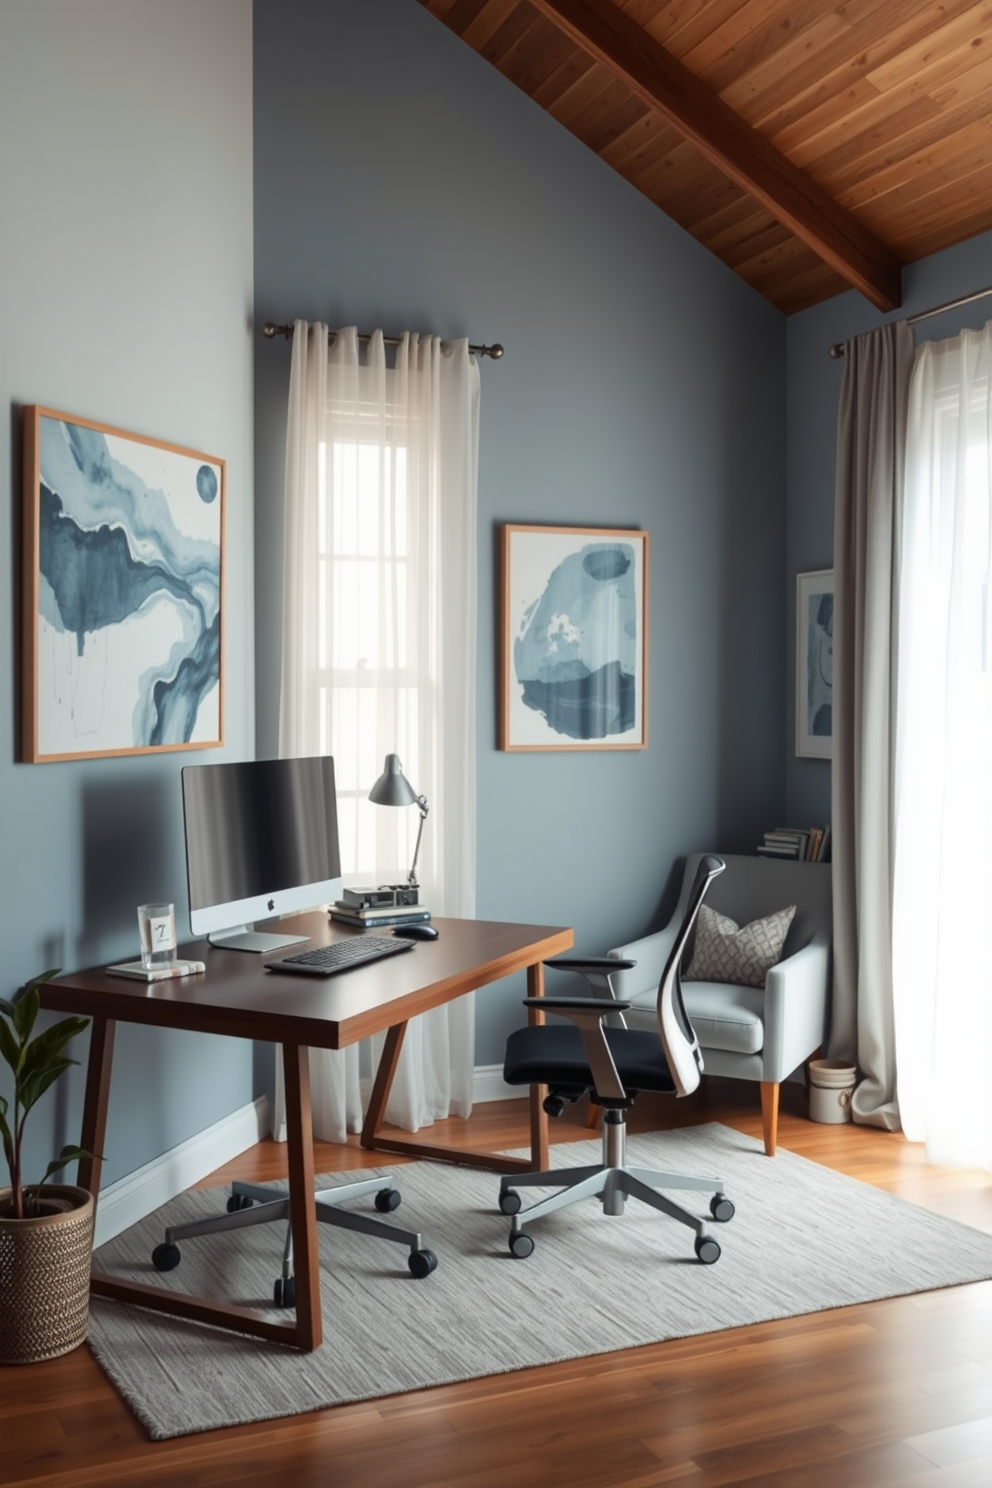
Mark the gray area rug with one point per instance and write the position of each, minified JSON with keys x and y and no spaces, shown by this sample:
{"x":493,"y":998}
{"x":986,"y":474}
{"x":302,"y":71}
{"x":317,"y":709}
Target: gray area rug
{"x":803,"y":1239}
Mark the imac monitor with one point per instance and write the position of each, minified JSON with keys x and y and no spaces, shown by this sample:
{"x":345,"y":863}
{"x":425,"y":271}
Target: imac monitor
{"x":261,"y":841}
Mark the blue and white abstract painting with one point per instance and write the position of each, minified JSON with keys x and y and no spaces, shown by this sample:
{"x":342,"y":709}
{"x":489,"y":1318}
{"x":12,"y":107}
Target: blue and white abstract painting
{"x":575,"y":640}
{"x":128,"y":644}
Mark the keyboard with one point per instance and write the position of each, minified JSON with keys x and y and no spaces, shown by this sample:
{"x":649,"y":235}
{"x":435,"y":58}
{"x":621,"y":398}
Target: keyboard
{"x":342,"y":955}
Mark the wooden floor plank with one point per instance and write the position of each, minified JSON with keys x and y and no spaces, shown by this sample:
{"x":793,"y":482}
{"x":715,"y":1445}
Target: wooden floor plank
{"x":885,"y":1393}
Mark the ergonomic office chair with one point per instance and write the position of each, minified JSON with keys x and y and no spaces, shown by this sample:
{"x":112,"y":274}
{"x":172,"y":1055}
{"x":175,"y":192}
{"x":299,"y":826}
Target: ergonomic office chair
{"x":251,"y":1204}
{"x":613,"y":1064}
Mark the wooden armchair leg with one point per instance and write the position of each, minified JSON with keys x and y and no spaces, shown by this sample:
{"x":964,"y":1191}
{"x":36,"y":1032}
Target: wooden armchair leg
{"x":594,"y":1116}
{"x":769,"y":1114}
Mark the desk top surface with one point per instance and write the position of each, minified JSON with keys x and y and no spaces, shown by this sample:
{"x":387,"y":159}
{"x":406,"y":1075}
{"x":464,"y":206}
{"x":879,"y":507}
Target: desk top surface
{"x":237,"y":996}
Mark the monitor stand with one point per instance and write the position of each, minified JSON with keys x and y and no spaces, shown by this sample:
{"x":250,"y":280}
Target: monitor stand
{"x":240,"y":938}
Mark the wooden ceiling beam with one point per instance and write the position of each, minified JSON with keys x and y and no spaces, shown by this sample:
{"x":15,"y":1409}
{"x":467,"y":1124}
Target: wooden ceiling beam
{"x":723,"y":137}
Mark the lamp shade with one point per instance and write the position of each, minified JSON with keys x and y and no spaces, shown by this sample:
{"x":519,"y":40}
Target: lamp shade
{"x":392,"y":788}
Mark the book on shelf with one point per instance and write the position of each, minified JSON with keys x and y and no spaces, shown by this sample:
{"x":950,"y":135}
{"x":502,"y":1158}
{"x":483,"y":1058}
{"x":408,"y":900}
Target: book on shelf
{"x":805,"y":844}
{"x":365,"y":919}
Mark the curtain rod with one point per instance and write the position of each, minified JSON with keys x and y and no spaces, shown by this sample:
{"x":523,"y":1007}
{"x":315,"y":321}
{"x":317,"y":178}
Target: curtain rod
{"x":837,"y":350}
{"x":270,"y":330}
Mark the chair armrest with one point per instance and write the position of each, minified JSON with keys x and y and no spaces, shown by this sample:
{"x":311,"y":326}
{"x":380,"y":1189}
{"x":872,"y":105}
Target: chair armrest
{"x":600,"y":1005}
{"x":796,"y":993}
{"x":588,"y":1014}
{"x":591,"y":963}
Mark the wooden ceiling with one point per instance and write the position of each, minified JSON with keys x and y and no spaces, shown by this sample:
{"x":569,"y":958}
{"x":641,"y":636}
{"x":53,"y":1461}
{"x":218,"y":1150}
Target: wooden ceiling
{"x":811,"y":146}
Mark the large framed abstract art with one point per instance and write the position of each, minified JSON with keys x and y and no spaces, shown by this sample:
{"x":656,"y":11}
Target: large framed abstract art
{"x":814,"y":663}
{"x":574,"y":638}
{"x":122,"y":592}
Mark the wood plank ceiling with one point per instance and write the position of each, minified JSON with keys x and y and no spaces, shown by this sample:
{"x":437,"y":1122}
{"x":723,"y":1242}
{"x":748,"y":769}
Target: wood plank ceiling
{"x":811,"y":146}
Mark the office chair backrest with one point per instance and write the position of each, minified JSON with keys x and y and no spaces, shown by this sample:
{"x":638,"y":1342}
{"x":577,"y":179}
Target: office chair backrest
{"x":677,"y":1034}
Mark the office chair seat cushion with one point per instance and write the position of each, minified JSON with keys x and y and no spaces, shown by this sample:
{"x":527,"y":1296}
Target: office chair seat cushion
{"x":723,"y":1016}
{"x":727,"y":952}
{"x":554,"y":1054}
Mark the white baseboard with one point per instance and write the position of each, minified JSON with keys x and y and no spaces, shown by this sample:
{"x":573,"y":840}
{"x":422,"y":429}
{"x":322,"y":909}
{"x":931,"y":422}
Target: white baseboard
{"x":139,"y":1193}
{"x":489,"y":1085}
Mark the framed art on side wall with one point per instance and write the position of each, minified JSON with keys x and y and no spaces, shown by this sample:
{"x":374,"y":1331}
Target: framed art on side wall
{"x":814,"y":663}
{"x":122,"y":592}
{"x":573,"y":634}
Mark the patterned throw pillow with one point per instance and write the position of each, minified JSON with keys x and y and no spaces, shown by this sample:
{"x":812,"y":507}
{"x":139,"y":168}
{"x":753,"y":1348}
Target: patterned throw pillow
{"x":726,"y":952}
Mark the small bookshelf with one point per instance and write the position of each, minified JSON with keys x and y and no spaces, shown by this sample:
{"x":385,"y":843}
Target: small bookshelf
{"x":800,"y":844}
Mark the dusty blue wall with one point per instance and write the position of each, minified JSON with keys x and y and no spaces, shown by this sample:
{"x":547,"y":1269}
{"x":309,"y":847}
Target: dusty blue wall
{"x":400,"y":181}
{"x":814,"y":380}
{"x":125,"y":296}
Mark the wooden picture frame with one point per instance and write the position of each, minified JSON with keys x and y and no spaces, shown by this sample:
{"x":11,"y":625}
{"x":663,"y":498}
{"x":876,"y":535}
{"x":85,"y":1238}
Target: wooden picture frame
{"x":814,"y":663}
{"x":573,"y":638}
{"x":122,"y":592}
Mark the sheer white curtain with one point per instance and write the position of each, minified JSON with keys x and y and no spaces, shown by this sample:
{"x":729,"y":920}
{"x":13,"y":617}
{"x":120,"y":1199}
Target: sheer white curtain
{"x":943,"y":866}
{"x":379,"y":627}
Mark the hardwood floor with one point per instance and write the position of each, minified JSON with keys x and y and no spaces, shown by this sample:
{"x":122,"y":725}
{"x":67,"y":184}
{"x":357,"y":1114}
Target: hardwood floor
{"x":893,"y":1392}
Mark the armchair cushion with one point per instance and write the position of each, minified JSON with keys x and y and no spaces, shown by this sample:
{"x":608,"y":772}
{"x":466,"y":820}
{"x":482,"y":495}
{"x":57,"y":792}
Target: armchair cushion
{"x":740,"y":954}
{"x":723,"y":1016}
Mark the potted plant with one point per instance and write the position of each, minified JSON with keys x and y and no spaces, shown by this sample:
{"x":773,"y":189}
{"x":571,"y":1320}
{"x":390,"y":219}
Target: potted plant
{"x":46,"y":1230}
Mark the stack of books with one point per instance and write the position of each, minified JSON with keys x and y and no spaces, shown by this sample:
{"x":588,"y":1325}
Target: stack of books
{"x":358,"y":908}
{"x":807,"y":844}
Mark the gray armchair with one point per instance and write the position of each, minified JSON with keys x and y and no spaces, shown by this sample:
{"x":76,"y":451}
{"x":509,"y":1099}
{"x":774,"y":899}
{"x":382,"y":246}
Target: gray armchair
{"x":750,"y":1033}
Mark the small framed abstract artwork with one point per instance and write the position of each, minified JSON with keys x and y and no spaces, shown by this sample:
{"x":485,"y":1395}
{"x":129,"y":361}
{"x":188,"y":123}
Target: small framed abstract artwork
{"x":574,"y":640}
{"x":122,"y":592}
{"x":814,"y":663}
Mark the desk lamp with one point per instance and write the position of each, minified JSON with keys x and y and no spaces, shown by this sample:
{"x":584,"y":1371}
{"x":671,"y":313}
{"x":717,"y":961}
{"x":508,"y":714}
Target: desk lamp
{"x":393,"y":789}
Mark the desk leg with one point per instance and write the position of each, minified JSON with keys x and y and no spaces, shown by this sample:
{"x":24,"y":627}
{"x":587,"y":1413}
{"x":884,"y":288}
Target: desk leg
{"x":540,"y":1157}
{"x":303,"y":1216}
{"x":94,"y":1128}
{"x":495,"y":1162}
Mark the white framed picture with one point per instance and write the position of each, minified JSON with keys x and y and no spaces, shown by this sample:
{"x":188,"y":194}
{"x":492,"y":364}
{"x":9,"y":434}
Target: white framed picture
{"x":814,"y":663}
{"x":574,"y":638}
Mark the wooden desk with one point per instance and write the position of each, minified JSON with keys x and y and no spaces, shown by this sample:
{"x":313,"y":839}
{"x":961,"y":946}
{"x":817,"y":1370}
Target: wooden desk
{"x":236,"y":996}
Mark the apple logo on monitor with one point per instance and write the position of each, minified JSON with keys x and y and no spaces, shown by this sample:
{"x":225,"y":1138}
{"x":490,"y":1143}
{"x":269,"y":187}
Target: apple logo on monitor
{"x":272,"y":904}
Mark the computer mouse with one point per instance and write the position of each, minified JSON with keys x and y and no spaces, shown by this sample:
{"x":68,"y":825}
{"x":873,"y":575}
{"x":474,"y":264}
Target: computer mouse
{"x":416,"y":932}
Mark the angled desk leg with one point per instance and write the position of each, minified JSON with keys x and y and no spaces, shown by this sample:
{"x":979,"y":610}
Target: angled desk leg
{"x":305,"y":1332}
{"x":494,"y":1162}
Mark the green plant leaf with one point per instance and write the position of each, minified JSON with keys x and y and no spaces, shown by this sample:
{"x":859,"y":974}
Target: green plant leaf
{"x":33,"y":1088}
{"x":25,"y":1013}
{"x":6,"y":1007}
{"x":49,"y":1044}
{"x":66,"y":1156}
{"x":10,"y":1049}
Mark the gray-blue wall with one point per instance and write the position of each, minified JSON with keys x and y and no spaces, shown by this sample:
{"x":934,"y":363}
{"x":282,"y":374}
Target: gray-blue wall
{"x":814,"y":380}
{"x":125,"y":296}
{"x":402,"y":182}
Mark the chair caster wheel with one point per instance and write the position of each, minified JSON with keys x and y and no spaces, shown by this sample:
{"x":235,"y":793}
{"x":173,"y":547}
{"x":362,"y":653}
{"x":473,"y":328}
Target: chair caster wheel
{"x":521,"y":1245}
{"x":707,"y":1249}
{"x":509,"y":1201}
{"x":722,"y":1208}
{"x":387,"y":1199}
{"x":422,"y":1263}
{"x":166,"y":1257}
{"x":238,"y":1202}
{"x":284,"y":1292}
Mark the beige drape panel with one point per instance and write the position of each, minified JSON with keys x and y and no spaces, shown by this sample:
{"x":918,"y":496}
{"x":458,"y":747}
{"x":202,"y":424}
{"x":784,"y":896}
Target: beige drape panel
{"x":870,"y":458}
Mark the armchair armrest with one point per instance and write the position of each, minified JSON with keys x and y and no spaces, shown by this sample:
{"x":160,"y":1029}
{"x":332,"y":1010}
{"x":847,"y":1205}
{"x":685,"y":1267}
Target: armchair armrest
{"x":795,"y":1009}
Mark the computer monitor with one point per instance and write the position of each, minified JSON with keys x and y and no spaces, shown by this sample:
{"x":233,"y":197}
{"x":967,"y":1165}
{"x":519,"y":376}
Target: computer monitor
{"x":261,"y":840}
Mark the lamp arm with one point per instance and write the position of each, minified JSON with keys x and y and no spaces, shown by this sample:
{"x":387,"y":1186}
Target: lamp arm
{"x":411,"y":877}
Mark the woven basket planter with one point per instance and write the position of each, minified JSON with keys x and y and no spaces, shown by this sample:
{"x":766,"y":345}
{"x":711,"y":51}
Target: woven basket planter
{"x":45,"y":1276}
